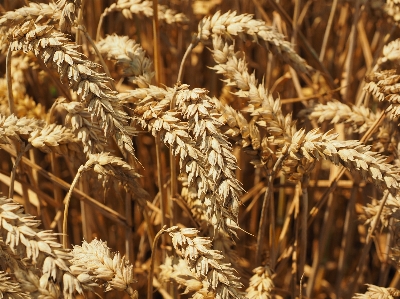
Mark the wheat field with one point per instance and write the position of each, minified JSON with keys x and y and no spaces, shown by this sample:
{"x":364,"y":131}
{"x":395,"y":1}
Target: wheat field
{"x":199,"y":149}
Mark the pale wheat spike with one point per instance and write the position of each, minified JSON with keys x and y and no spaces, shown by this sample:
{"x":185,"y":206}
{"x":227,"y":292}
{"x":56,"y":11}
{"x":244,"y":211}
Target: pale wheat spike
{"x":192,"y":143}
{"x":385,"y":86}
{"x":352,"y":154}
{"x":261,"y":284}
{"x":206,"y":263}
{"x":360,"y":118}
{"x":36,"y":248}
{"x":55,"y":48}
{"x":260,"y":103}
{"x":96,"y":261}
{"x":392,"y":8}
{"x":230,"y":25}
{"x":69,"y":12}
{"x":129,"y":7}
{"x":390,"y":55}
{"x":47,"y":138}
{"x":85,"y":127}
{"x":130,"y":56}
{"x":38,"y":12}
{"x":10,"y":289}
{"x":378,"y":292}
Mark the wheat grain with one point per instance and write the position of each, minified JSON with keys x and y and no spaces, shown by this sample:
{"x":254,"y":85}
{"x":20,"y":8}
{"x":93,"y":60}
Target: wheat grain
{"x":10,"y":289}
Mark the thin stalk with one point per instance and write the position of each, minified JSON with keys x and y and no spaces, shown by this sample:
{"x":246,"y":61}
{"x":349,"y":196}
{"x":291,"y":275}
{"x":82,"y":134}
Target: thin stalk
{"x":368,"y":242}
{"x":264,"y":209}
{"x":153,"y":257}
{"x":160,"y":181}
{"x":23,"y":150}
{"x":103,"y":63}
{"x":156,"y":38}
{"x":9,"y":81}
{"x":67,"y":200}
{"x":103,"y":15}
{"x":192,"y":45}
{"x":328,"y":30}
{"x":303,"y":221}
{"x":349,"y":60}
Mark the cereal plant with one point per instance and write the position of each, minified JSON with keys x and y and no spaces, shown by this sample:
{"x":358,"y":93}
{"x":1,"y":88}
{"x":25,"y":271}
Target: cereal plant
{"x":199,"y":149}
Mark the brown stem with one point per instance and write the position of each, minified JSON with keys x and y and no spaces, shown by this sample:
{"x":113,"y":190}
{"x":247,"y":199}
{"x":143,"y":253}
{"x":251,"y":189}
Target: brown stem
{"x":9,"y":81}
{"x":153,"y":256}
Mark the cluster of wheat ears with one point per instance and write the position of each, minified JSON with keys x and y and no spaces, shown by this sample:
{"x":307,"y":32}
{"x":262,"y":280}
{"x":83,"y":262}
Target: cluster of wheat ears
{"x":193,"y":137}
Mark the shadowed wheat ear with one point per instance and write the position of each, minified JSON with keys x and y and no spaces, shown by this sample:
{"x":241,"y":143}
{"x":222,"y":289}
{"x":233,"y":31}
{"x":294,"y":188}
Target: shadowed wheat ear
{"x":54,"y":47}
{"x":130,"y":56}
{"x":261,"y":284}
{"x":10,"y":289}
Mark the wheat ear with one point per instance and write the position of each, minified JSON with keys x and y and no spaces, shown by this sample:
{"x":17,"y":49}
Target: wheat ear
{"x":261,"y":284}
{"x":378,"y":292}
{"x":102,"y":102}
{"x":10,"y":289}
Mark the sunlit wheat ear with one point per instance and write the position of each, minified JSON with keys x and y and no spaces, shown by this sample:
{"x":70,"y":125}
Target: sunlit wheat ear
{"x":392,"y":8}
{"x":130,"y":7}
{"x":390,"y":58}
{"x":220,"y":278}
{"x":230,"y":25}
{"x":31,"y":247}
{"x":192,"y":132}
{"x":69,"y":12}
{"x":359,"y":118}
{"x":352,"y":154}
{"x":84,"y":127}
{"x":10,"y":289}
{"x":55,"y":48}
{"x":96,"y":261}
{"x":40,"y":13}
{"x":130,"y":57}
{"x":378,"y":292}
{"x":261,"y":284}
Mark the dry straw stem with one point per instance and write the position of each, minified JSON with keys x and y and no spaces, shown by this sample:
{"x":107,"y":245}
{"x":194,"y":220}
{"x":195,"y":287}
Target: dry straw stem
{"x":205,"y":263}
{"x":130,"y":7}
{"x":102,"y":103}
{"x":130,"y":57}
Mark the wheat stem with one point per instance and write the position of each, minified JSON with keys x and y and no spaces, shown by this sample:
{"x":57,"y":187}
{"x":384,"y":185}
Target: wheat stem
{"x":192,"y":45}
{"x":263,"y":217}
{"x":156,"y":40}
{"x":9,"y":81}
{"x":303,"y":225}
{"x":67,"y":200}
{"x":103,"y":63}
{"x":22,"y":151}
{"x":153,"y":257}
